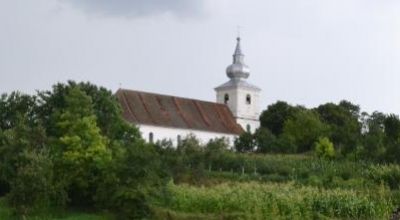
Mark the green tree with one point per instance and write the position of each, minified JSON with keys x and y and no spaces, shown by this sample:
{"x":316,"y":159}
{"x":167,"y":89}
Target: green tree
{"x":216,"y":146}
{"x":265,"y":141}
{"x":32,"y":186}
{"x":192,"y":154}
{"x":343,"y":120}
{"x":324,"y":148}
{"x":275,"y":116}
{"x":350,"y":107}
{"x":305,"y":128}
{"x":13,"y":142}
{"x":214,"y":151}
{"x":82,"y":152}
{"x":245,"y":143}
{"x":392,"y":128}
{"x":26,"y":168}
{"x":373,"y":137}
{"x":15,"y":105}
{"x":392,"y":137}
{"x":133,"y":178}
{"x":72,"y":143}
{"x":106,"y":108}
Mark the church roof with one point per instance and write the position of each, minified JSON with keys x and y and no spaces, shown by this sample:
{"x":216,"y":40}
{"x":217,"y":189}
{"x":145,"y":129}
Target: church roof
{"x":176,"y":112}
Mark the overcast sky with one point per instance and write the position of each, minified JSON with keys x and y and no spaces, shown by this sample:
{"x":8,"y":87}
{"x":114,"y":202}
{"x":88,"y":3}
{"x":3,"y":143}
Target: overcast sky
{"x":305,"y":52}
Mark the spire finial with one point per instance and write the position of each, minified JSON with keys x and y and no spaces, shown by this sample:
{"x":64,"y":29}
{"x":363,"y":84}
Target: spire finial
{"x":238,"y":32}
{"x":238,"y":69}
{"x":238,"y":55}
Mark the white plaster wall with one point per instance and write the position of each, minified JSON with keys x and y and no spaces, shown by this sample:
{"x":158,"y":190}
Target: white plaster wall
{"x":245,"y":114}
{"x":233,"y":99}
{"x":244,"y":110}
{"x":254,"y":124}
{"x":160,"y":133}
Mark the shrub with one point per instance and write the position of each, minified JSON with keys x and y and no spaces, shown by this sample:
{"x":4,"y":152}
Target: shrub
{"x":245,"y":143}
{"x":32,"y":188}
{"x":324,"y":148}
{"x":388,"y":174}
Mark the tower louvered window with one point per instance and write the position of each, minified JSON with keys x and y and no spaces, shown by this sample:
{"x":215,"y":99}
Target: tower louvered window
{"x":226,"y":98}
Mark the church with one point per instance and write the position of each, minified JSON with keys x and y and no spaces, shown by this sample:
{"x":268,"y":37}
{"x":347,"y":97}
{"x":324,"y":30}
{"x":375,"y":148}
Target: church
{"x":160,"y":117}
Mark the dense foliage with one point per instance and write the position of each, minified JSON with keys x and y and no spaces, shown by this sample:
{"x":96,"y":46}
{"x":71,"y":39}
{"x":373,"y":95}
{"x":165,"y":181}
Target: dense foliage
{"x":69,"y":148}
{"x":354,"y":134}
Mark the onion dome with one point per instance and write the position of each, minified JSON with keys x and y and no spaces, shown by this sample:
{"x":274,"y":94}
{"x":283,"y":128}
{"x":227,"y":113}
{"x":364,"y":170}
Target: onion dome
{"x":238,"y":69}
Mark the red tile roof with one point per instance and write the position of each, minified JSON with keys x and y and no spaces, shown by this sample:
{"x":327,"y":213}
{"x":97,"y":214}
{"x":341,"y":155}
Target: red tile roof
{"x":170,"y":111}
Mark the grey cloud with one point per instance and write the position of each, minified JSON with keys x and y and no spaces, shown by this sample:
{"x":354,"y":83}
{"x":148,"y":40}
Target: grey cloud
{"x":134,"y":8}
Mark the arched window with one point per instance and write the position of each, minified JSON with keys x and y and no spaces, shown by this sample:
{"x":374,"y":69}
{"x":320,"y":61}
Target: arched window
{"x":248,"y":128}
{"x":151,"y":137}
{"x":248,"y":99}
{"x":226,"y":98}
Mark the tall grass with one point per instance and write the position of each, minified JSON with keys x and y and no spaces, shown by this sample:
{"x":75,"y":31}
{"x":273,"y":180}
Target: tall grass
{"x":285,"y":201}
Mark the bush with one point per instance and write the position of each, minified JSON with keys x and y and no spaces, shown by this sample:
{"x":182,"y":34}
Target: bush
{"x":245,"y":143}
{"x":387,"y":174}
{"x":324,"y":148}
{"x":265,"y":141}
{"x":33,"y":188}
{"x":134,"y":177}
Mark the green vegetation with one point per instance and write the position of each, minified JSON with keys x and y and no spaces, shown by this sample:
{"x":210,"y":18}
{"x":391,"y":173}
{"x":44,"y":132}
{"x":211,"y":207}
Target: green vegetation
{"x":69,"y":148}
{"x":67,"y":153}
{"x":273,"y":201}
{"x":324,"y":148}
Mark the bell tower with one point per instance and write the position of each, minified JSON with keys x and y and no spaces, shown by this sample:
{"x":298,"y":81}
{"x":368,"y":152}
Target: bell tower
{"x":241,"y":97}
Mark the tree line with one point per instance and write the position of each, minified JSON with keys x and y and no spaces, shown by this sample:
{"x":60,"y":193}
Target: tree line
{"x":331,"y":130}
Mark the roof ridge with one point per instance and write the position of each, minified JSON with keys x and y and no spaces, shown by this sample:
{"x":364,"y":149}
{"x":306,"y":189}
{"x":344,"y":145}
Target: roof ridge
{"x":172,"y":96}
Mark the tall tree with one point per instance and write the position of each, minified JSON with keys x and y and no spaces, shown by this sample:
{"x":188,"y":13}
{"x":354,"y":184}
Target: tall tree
{"x":343,"y":120}
{"x":15,"y":105}
{"x":392,"y":138}
{"x":373,"y":136}
{"x":82,"y":151}
{"x":392,"y":128}
{"x":106,"y":108}
{"x":275,"y":116}
{"x":305,"y":127}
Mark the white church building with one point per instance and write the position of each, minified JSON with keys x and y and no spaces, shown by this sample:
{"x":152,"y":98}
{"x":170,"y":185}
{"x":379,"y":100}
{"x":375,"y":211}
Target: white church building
{"x":173,"y":118}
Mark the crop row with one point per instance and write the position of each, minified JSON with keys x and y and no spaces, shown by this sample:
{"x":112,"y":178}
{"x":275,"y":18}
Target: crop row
{"x":284,"y":201}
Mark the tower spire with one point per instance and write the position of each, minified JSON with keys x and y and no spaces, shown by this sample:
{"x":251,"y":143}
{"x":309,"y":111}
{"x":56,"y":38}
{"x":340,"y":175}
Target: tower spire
{"x":238,"y":69}
{"x":238,"y":55}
